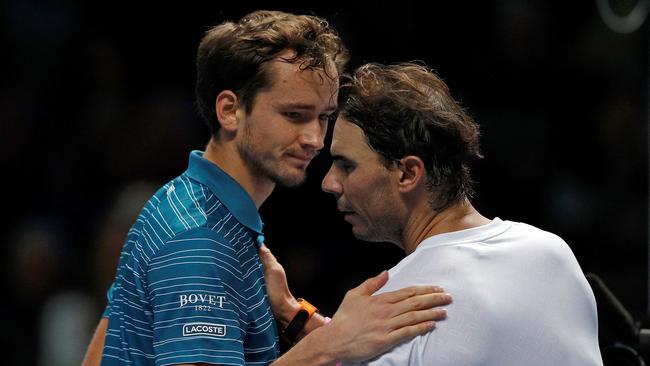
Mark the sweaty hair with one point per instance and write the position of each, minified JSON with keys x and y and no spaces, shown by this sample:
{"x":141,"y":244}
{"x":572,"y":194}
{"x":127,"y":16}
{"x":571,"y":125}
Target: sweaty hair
{"x":231,"y":55}
{"x":406,"y":109}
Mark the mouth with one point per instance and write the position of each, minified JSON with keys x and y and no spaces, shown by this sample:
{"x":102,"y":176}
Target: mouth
{"x":348,"y":216}
{"x":302,"y":158}
{"x":346,"y":213}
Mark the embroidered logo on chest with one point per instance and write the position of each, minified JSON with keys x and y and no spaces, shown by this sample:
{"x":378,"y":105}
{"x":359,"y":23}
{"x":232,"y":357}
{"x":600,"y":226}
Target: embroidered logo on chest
{"x":209,"y":329}
{"x":201,"y":301}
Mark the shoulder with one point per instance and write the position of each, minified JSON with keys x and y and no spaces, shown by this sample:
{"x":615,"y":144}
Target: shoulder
{"x":196,"y":253}
{"x":533,"y":232}
{"x":533,"y":239}
{"x":195,"y":240}
{"x":178,"y":206}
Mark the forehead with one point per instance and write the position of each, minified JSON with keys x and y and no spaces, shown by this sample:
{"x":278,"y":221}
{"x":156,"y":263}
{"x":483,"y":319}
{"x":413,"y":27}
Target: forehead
{"x":349,"y":142}
{"x":289,"y":81}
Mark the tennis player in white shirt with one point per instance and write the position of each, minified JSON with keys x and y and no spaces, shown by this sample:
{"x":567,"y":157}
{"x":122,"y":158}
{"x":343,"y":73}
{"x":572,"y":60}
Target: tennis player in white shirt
{"x":400,"y":149}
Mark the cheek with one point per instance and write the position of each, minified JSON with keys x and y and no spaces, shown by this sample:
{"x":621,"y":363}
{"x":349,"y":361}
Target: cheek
{"x":378,"y":199}
{"x":266,"y":139}
{"x":280,"y":137}
{"x":360,"y":194}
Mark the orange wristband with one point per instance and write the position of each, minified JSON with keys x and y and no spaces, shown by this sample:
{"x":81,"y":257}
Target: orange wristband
{"x":305,"y":305}
{"x":290,"y":333}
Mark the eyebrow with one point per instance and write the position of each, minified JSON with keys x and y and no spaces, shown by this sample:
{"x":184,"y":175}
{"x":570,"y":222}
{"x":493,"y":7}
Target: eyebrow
{"x":338,"y":157}
{"x":305,"y":106}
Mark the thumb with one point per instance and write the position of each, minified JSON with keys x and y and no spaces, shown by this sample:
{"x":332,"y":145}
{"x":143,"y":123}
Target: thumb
{"x":371,"y":285}
{"x":266,"y":256}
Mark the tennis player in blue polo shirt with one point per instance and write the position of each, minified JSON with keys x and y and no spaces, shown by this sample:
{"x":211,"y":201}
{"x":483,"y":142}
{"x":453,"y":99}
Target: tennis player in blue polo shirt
{"x":189,"y":276}
{"x":190,"y":285}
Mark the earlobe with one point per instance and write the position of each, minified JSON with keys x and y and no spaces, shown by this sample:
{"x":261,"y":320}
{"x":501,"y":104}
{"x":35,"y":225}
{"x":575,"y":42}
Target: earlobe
{"x":226,"y":106}
{"x":411,"y":173}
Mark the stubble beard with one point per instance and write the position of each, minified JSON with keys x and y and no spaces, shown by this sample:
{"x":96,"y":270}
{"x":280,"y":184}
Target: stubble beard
{"x":376,"y":232}
{"x":384,"y":227}
{"x":265,"y":165}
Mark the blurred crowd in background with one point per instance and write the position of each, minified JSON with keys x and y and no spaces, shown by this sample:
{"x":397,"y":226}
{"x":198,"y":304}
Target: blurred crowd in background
{"x":96,"y":112}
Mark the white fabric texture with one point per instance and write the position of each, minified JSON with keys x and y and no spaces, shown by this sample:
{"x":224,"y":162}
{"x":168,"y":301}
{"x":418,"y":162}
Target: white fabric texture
{"x":520,"y":298}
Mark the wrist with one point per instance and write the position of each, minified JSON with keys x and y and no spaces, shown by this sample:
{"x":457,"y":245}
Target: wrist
{"x":297,"y":327}
{"x":320,"y":342}
{"x":288,"y":311}
{"x":314,"y":349}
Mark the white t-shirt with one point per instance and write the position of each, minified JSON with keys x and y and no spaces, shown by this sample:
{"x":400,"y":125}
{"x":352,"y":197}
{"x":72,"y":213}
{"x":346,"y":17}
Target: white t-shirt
{"x":520,"y":298}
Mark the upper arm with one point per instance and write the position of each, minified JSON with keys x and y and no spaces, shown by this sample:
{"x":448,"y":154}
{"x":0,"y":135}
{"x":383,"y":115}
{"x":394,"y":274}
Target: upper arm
{"x":93,"y":355}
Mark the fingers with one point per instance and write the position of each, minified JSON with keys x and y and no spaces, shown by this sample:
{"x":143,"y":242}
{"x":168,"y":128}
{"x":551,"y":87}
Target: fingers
{"x":414,"y":323}
{"x":421,"y":302}
{"x":405,"y":293}
{"x":266,"y":256}
{"x":405,"y":333}
{"x":371,"y":285}
{"x":417,"y":317}
{"x":264,"y":251}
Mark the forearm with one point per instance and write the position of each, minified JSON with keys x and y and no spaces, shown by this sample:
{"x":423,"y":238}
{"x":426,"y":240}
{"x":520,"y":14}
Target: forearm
{"x":363,"y":326}
{"x":313,"y":349}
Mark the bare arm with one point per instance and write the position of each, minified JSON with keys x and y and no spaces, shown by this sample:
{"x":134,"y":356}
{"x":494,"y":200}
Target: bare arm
{"x":363,"y":326}
{"x":94,"y":353}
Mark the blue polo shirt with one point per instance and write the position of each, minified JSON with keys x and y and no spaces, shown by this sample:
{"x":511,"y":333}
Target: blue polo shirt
{"x":190,"y":286}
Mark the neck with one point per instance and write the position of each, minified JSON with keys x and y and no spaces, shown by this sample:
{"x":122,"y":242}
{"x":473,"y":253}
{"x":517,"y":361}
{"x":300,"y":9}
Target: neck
{"x":226,"y":157}
{"x":425,"y":222}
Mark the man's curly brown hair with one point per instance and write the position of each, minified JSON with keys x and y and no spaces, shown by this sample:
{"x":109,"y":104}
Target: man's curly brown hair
{"x":406,"y":109}
{"x":232,"y":55}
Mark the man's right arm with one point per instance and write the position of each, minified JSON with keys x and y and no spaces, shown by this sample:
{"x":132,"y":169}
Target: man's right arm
{"x":93,"y":355}
{"x":364,"y":325}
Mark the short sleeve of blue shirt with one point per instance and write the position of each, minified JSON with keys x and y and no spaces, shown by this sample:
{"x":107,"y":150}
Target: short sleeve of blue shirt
{"x":197,"y":298}
{"x":109,"y":299}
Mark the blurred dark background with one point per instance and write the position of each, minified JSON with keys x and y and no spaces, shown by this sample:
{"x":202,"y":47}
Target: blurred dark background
{"x":96,"y":111}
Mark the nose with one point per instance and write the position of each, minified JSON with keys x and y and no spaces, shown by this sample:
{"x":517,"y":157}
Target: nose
{"x":312,"y":135}
{"x":330,"y":184}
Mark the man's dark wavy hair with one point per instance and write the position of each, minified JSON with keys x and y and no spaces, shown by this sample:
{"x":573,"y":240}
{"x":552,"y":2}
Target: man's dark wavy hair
{"x":232,"y":55}
{"x":406,"y":109}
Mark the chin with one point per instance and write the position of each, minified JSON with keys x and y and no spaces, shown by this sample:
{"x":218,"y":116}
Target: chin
{"x":361,"y":235}
{"x":366,"y":235}
{"x":290,"y":180}
{"x":285,"y":176}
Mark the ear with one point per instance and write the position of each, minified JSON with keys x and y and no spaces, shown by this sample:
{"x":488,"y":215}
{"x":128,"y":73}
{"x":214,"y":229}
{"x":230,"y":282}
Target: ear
{"x":226,"y":105}
{"x":412,"y":173}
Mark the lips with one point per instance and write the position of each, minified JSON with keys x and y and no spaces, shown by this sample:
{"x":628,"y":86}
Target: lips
{"x":305,"y":158}
{"x":345,"y":211}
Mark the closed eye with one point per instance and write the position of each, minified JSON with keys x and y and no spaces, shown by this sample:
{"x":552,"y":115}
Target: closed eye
{"x":344,"y":164}
{"x":293,"y":115}
{"x":348,"y":168}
